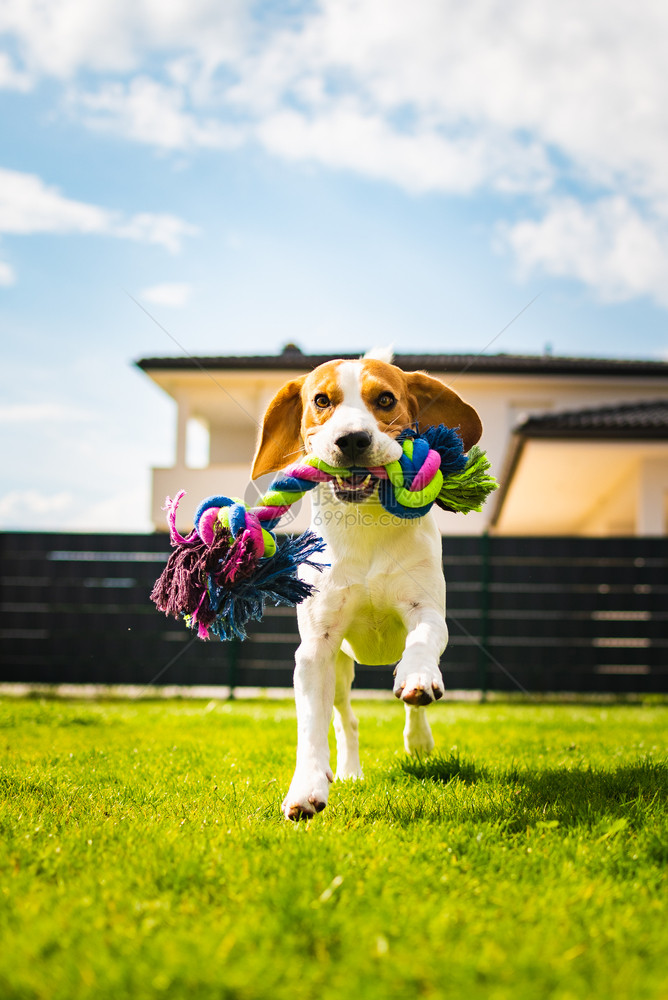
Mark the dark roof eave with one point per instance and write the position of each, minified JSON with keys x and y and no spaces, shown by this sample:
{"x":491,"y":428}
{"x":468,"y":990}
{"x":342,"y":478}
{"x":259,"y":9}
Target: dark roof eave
{"x":643,"y":420}
{"x":455,"y":363}
{"x":594,"y":434}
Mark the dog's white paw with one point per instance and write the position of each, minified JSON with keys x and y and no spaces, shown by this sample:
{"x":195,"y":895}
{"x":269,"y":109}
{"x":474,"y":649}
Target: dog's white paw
{"x":308,"y":794}
{"x":418,"y":688}
{"x":417,"y":734}
{"x":348,"y":772}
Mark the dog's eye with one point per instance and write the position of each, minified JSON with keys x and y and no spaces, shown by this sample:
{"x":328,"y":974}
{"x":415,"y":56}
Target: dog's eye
{"x":386,"y":400}
{"x":321,"y":401}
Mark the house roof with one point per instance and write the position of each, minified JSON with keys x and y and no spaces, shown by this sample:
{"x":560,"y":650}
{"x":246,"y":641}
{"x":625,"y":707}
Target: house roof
{"x":292,"y":357}
{"x":635,"y":421}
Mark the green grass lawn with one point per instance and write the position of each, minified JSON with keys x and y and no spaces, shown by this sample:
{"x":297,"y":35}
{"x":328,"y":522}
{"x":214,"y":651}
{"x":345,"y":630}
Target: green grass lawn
{"x":143,"y":854}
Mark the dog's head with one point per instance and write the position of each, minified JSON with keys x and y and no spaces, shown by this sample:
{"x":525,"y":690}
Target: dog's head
{"x":349,"y":413}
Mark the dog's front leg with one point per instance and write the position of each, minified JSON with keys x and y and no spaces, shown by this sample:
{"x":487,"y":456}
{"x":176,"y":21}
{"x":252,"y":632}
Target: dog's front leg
{"x":418,"y":680}
{"x":315,"y":679}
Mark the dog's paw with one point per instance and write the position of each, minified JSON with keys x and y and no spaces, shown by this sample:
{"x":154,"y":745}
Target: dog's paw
{"x":418,"y":739}
{"x":308,"y":794}
{"x":420,"y":688}
{"x":349,"y":772}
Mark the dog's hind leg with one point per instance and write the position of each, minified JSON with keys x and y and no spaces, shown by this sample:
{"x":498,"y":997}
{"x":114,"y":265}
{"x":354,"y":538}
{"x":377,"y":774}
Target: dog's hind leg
{"x":417,"y":731}
{"x":345,"y":723}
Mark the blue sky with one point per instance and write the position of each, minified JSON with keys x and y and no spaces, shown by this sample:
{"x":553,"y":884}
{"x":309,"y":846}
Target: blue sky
{"x":337,"y":174}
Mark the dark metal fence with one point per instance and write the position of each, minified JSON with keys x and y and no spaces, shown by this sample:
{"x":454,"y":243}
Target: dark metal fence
{"x":534,"y":614}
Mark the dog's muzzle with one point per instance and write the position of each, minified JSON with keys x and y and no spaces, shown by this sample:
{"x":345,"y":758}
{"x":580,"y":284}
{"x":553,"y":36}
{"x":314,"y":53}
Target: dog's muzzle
{"x":355,"y":488}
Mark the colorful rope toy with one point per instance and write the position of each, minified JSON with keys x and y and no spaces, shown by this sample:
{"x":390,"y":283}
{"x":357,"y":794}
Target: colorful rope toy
{"x":220,"y":575}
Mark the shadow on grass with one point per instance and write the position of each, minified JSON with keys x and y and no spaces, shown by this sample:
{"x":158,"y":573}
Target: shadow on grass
{"x":567,"y":796}
{"x":441,"y":769}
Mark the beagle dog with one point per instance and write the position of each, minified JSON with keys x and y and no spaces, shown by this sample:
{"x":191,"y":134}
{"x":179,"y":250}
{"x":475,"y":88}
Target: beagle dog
{"x":381,"y":596}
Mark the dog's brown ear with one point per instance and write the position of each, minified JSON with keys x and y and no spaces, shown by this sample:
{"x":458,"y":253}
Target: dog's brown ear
{"x":433,"y":403}
{"x":279,"y":443}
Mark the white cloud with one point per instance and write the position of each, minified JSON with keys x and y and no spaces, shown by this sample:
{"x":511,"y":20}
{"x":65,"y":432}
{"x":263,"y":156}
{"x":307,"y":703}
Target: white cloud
{"x":420,"y":160}
{"x":21,"y":413}
{"x":175,"y":294}
{"x":11,"y":78}
{"x":485,"y":96}
{"x":162,"y":229}
{"x":517,"y":98}
{"x":587,"y":82}
{"x":7,"y":275}
{"x":28,"y":205}
{"x":150,"y":112}
{"x":121,"y":510}
{"x":62,"y":37}
{"x":30,"y":508}
{"x":609,"y":245}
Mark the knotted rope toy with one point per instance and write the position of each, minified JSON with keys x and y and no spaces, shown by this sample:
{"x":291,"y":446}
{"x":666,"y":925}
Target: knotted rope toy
{"x":220,"y":575}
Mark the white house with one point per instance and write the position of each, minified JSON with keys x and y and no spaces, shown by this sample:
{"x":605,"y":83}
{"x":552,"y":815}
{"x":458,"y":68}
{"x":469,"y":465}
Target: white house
{"x":580,"y":446}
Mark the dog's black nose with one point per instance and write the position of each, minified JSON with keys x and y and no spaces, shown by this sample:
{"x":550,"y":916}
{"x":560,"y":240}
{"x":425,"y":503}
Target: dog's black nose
{"x":352,"y":446}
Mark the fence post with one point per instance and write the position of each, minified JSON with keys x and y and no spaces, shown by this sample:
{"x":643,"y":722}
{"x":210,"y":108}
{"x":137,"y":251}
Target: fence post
{"x":232,"y":665}
{"x":483,"y":653}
